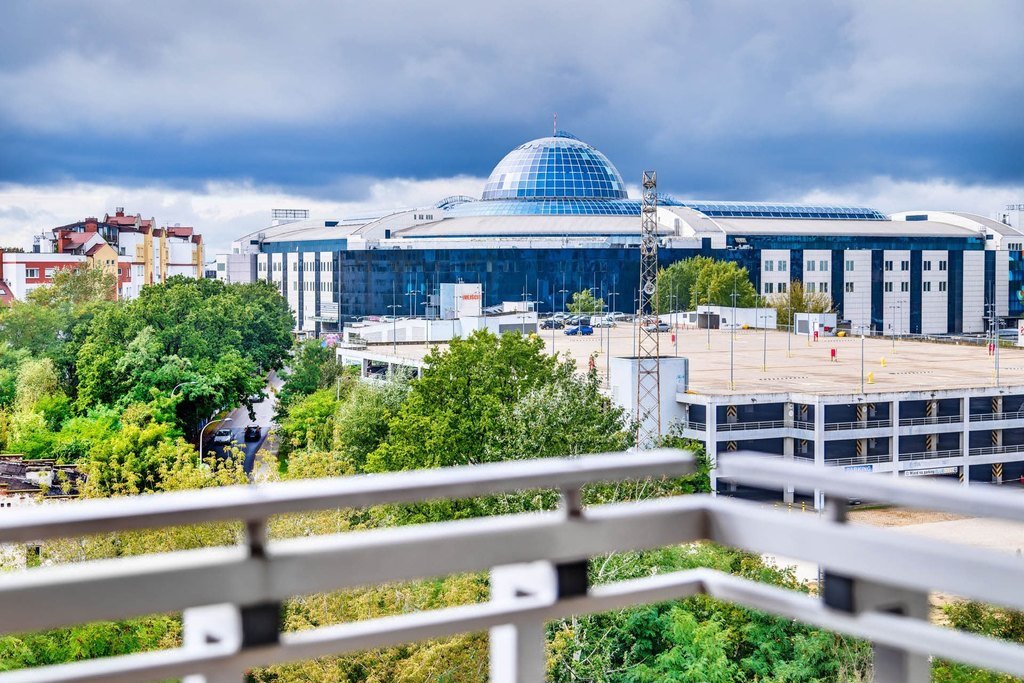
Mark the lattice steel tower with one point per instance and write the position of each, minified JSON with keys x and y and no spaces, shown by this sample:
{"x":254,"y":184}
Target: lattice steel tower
{"x":648,"y":392}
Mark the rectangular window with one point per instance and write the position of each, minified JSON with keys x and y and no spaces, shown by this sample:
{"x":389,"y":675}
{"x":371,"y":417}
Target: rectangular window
{"x":849,"y":287}
{"x":927,"y":265}
{"x":927,"y":286}
{"x":904,"y":286}
{"x":769,"y":288}
{"x":942,"y":286}
{"x":810,"y":288}
{"x":904,"y":265}
{"x":810,"y":266}
{"x":942,"y":265}
{"x":768,"y":266}
{"x":48,"y":273}
{"x":782,"y":266}
{"x":823,"y":288}
{"x":888,"y":286}
{"x":823,"y":266}
{"x":31,"y":272}
{"x":782,"y":288}
{"x":849,"y":266}
{"x":888,"y":265}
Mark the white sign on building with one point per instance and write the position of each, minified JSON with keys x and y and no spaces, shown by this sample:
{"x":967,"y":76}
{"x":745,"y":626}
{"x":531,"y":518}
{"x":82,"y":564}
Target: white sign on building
{"x":461,"y":300}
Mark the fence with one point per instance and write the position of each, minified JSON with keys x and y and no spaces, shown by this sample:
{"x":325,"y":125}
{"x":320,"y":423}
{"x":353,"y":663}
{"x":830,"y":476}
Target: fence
{"x":876,"y":582}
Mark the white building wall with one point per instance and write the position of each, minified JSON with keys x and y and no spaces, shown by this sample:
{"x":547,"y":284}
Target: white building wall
{"x":309,"y":290}
{"x":974,"y":291}
{"x":1002,"y":282}
{"x":934,"y":278}
{"x":292,"y":265}
{"x":896,"y":292}
{"x":775,"y":271}
{"x":857,"y":303}
{"x":818,"y":271}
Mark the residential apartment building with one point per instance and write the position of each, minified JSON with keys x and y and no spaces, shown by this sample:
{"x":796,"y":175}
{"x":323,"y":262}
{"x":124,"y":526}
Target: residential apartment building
{"x":130,"y":247}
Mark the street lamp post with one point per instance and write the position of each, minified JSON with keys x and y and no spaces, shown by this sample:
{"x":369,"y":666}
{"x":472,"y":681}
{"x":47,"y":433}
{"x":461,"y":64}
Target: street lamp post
{"x":732,"y":340}
{"x":764,"y":350}
{"x":394,"y":327}
{"x":203,"y":431}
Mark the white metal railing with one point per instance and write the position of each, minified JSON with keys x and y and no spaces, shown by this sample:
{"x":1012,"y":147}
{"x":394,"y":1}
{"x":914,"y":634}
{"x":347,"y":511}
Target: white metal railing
{"x":762,"y":424}
{"x":936,"y":420}
{"x":931,"y":455}
{"x":858,"y":460}
{"x":867,"y":424}
{"x":995,"y":450}
{"x":230,"y":596}
{"x":986,"y":417}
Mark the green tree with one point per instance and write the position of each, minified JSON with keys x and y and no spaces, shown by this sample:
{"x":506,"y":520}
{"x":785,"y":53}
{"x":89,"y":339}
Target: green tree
{"x":454,"y":408}
{"x":584,"y":303}
{"x":702,"y":280}
{"x":799,"y":300}
{"x":363,"y":420}
{"x":208,"y":343}
{"x":313,"y":366}
{"x":309,"y":423}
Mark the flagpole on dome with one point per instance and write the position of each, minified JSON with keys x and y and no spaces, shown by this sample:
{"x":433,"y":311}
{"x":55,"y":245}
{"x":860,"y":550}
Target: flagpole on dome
{"x":554,"y":128}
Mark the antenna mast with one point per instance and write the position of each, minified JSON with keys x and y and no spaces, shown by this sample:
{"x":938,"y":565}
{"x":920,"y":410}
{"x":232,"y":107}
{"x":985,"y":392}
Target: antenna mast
{"x":648,"y":390}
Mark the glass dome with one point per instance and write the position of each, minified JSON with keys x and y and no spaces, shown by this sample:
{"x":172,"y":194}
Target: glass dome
{"x":554,"y":167}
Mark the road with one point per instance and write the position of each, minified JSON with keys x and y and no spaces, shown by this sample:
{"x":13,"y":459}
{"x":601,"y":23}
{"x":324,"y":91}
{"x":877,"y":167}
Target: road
{"x":238,"y":419}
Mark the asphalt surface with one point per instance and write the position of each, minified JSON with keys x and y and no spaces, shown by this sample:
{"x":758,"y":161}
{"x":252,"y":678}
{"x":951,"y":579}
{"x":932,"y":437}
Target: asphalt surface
{"x":238,"y":420}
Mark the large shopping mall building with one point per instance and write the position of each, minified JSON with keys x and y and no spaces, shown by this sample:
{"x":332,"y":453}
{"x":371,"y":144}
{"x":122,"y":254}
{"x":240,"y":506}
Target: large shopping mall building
{"x":554,"y":218}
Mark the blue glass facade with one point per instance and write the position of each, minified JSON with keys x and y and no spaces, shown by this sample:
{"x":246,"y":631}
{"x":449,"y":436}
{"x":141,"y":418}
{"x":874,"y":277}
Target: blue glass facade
{"x":559,"y":166}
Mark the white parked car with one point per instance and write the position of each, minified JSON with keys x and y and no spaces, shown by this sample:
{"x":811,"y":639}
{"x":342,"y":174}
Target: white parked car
{"x":222,"y":436}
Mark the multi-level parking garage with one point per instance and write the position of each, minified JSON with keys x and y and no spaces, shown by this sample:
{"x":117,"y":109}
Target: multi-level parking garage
{"x":910,"y":408}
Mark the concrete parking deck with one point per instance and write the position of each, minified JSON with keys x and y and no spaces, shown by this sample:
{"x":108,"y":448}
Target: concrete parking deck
{"x":806,"y":366}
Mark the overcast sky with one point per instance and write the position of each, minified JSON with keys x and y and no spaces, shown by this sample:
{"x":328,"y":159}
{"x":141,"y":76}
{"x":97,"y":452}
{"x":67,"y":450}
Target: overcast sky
{"x":213,"y":113}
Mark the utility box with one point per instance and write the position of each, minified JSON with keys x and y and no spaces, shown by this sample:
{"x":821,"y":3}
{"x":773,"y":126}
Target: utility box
{"x":674,"y":376}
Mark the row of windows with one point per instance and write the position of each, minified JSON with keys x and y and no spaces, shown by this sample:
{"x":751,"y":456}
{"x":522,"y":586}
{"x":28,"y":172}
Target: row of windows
{"x":819,"y":286}
{"x":770,"y":265}
{"x":310,"y":286}
{"x":771,"y":288}
{"x":822,"y":266}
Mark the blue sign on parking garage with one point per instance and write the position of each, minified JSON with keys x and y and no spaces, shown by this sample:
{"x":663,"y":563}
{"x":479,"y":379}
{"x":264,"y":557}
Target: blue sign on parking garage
{"x":865,"y":468}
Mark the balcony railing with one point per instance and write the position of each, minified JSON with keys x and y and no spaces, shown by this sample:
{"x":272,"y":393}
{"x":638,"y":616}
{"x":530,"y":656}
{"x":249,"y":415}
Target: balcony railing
{"x":876,"y":580}
{"x":763,"y":424}
{"x":936,"y":420}
{"x":996,"y":450}
{"x":867,"y":424}
{"x":931,"y":455}
{"x":858,"y":460}
{"x":986,"y":417}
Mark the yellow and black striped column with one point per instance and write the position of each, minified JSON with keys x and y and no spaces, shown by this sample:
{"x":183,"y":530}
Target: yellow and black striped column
{"x":730,"y":413}
{"x":962,"y":473}
{"x":997,"y":440}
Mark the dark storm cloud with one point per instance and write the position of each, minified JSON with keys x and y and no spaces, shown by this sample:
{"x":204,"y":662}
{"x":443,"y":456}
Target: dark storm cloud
{"x":726,"y":99}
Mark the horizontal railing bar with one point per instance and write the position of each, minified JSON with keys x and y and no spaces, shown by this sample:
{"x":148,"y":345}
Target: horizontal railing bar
{"x":869,"y":424}
{"x":80,"y":518}
{"x":935,"y":420}
{"x":931,"y":455}
{"x":120,"y":588}
{"x":990,"y":417}
{"x":899,"y":632}
{"x":887,"y":557}
{"x":171,"y":582}
{"x":928,"y":495}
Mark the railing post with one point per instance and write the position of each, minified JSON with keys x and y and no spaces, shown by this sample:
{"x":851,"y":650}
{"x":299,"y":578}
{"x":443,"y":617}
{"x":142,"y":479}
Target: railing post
{"x":891,"y":665}
{"x":231,"y":628}
{"x":517,"y":649}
